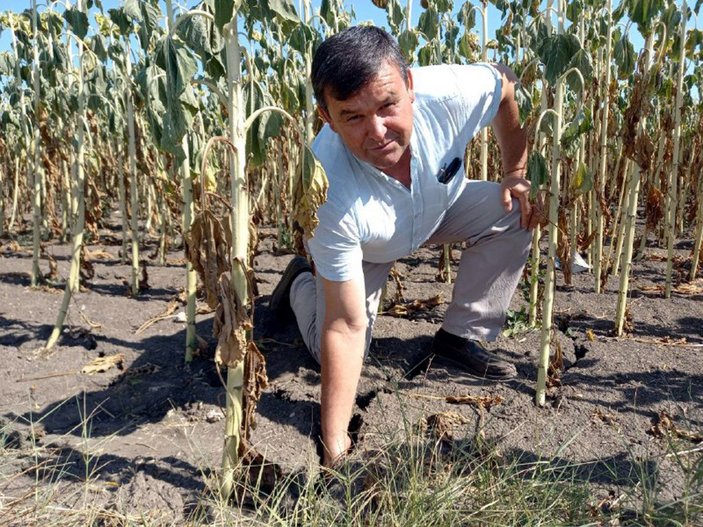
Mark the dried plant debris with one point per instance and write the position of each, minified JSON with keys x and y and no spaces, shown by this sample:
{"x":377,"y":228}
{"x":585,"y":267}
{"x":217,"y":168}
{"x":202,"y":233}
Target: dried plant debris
{"x":556,"y":365}
{"x":663,"y":426}
{"x":167,"y":313}
{"x":416,"y":308}
{"x":134,"y":372}
{"x":310,"y":192}
{"x":398,"y":278}
{"x":230,"y":325}
{"x":441,"y":425}
{"x":479,"y":401}
{"x":604,"y":416}
{"x":207,"y":248}
{"x":255,"y":381}
{"x":102,"y":364}
{"x":685,"y":289}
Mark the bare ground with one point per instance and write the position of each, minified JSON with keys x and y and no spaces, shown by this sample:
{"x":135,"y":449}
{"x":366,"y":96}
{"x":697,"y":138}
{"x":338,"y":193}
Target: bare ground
{"x":144,"y":437}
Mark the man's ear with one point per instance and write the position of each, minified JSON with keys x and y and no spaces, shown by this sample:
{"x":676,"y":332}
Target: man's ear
{"x":325,"y":115}
{"x":411,"y":91}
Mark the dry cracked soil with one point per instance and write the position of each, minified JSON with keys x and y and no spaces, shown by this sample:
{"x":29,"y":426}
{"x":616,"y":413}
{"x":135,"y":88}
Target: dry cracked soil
{"x":146,"y":434}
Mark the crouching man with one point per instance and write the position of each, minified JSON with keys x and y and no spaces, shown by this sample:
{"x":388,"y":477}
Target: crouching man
{"x":393,"y":147}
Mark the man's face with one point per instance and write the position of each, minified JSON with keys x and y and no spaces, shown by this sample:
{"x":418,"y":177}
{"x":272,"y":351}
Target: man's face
{"x":376,"y":123}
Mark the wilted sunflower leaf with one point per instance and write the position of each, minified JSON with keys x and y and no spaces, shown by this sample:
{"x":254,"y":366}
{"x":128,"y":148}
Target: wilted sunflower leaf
{"x":310,"y":192}
{"x":207,"y":248}
{"x":582,"y":181}
{"x":230,"y":325}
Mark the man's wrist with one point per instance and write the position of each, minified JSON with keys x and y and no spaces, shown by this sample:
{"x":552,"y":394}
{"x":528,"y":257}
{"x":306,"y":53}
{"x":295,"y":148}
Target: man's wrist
{"x":519,"y":172}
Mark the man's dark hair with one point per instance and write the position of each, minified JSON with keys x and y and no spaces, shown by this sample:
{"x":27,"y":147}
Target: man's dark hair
{"x":347,"y":61}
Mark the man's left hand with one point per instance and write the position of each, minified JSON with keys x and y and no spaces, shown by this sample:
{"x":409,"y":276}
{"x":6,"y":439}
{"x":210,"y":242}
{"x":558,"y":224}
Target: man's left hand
{"x":518,"y":187}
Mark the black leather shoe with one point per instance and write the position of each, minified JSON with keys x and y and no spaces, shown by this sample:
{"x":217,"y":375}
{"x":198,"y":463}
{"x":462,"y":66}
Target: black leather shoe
{"x":471,"y":356}
{"x":280,"y":298}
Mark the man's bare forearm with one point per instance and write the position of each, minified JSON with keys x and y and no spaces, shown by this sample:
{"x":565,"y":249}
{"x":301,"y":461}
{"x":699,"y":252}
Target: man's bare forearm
{"x":341,"y":361}
{"x":511,"y":137}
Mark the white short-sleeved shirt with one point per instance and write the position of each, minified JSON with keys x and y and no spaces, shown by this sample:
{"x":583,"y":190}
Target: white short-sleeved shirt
{"x":371,"y":216}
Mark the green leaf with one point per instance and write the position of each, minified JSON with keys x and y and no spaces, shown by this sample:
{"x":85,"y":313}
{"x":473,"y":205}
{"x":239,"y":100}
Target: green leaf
{"x":524,"y":102}
{"x":285,"y":9}
{"x":644,"y":13}
{"x":97,"y":45}
{"x":582,"y":123}
{"x":426,"y":55}
{"x":625,"y":57}
{"x":556,"y":53}
{"x":78,"y":22}
{"x":467,"y":16}
{"x":224,"y":11}
{"x":428,"y":23}
{"x":199,"y":34}
{"x":121,"y":20}
{"x":300,"y":37}
{"x":582,"y":62}
{"x":178,"y":63}
{"x":574,"y":10}
{"x":408,"y":41}
{"x":537,"y":172}
{"x":396,"y":15}
{"x":328,"y":13}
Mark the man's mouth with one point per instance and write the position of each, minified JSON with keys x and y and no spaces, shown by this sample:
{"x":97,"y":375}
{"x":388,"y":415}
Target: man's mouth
{"x":381,"y":147}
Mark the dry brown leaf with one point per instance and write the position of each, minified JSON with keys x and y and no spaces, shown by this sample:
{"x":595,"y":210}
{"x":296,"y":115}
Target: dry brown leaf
{"x":608,"y":418}
{"x":556,"y":364}
{"x":403,"y":310}
{"x":479,"y":401}
{"x":255,"y":381}
{"x":310,"y":192}
{"x":691,"y":288}
{"x":102,"y":364}
{"x":651,"y":288}
{"x":207,"y":248}
{"x":664,"y":425}
{"x":98,"y":254}
{"x":230,"y":325}
{"x":654,"y":210}
{"x":441,"y":424}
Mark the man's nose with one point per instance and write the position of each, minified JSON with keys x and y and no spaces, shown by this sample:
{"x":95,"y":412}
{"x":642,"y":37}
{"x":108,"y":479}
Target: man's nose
{"x":377,"y":128}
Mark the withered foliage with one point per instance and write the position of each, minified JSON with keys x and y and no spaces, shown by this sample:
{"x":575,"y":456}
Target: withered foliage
{"x":102,"y":364}
{"x":398,"y":278}
{"x":207,"y":248}
{"x":654,"y":208}
{"x":444,"y":273}
{"x":230,"y":325}
{"x":310,"y":192}
{"x":564,"y":245}
{"x":556,"y":364}
{"x":415,"y":307}
{"x":663,"y":426}
{"x":479,"y":401}
{"x":637,"y":145}
{"x":603,"y":416}
{"x":441,"y":425}
{"x":255,"y":381}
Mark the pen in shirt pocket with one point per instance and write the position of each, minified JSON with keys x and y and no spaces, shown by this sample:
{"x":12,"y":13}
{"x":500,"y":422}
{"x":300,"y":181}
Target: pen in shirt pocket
{"x":447,"y":172}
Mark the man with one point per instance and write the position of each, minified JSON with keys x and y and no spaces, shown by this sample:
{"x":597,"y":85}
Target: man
{"x":393,"y":148}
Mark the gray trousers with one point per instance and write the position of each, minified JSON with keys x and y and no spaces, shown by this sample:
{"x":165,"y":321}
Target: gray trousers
{"x":489,"y":271}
